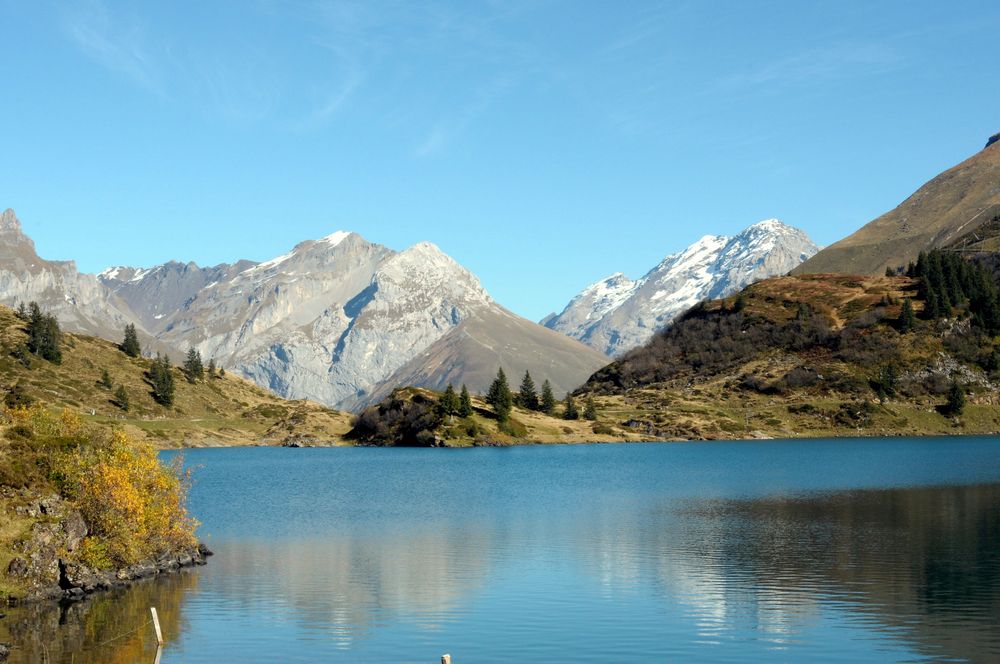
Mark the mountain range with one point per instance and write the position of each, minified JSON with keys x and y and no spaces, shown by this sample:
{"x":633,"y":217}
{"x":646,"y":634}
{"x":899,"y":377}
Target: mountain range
{"x":333,"y":320}
{"x":618,"y":314}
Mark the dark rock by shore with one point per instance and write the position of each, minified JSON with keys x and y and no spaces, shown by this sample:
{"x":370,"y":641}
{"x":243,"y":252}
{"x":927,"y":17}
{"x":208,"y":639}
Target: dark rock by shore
{"x":50,"y":574}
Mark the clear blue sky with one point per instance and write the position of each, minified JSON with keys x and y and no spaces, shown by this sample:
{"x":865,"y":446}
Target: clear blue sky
{"x":542,"y":144}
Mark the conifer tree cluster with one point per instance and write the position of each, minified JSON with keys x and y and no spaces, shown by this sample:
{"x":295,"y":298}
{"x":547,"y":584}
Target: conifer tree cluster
{"x":948,"y":281}
{"x":121,"y":398}
{"x":130,"y":344}
{"x":44,"y":335}
{"x":161,"y":378}
{"x":499,"y":396}
{"x":193,"y":368}
{"x":570,"y":411}
{"x":448,"y":404}
{"x":464,"y":403}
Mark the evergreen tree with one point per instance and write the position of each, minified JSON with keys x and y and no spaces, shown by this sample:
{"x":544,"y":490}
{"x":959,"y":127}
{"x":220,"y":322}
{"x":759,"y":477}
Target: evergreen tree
{"x":570,"y":412}
{"x":590,"y":409}
{"x":889,"y":272}
{"x":992,"y":363}
{"x":527,"y":397}
{"x":956,"y":399}
{"x":44,"y":335}
{"x":222,"y":372}
{"x":740,"y":304}
{"x":121,"y":398}
{"x":161,"y":377}
{"x":22,"y":311}
{"x":211,"y":368}
{"x":17,"y":397}
{"x":932,"y":309}
{"x":130,"y":344}
{"x":449,"y":402}
{"x":907,"y":320}
{"x":548,"y":403}
{"x":105,"y":381}
{"x":464,"y":403}
{"x":193,"y":369}
{"x":500,"y":397}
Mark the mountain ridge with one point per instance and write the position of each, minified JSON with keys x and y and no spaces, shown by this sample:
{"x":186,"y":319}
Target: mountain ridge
{"x":617,"y":314}
{"x":330,"y":320}
{"x":948,"y":207}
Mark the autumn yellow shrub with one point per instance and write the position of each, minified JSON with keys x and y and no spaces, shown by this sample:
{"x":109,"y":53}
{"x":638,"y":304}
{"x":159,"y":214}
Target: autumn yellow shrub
{"x":133,"y":503}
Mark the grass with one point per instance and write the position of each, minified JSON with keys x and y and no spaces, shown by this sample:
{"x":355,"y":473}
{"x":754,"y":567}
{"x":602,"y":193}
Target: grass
{"x":214,"y":411}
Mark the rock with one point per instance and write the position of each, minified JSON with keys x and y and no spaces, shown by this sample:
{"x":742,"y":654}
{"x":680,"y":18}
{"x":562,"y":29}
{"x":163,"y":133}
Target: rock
{"x":4,"y":651}
{"x":51,"y":506}
{"x":17,"y":567}
{"x":75,"y":529}
{"x":204,"y":550}
{"x":993,"y":139}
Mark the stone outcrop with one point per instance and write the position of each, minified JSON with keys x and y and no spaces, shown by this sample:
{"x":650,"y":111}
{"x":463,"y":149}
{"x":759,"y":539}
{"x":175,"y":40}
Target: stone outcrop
{"x":45,"y":565}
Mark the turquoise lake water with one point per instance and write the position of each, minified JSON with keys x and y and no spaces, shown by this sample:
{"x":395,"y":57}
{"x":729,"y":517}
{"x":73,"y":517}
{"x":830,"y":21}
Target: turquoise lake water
{"x":788,"y":551}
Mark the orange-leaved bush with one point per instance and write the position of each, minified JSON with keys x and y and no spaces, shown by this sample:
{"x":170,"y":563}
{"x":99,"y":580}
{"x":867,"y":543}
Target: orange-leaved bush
{"x":133,"y":503}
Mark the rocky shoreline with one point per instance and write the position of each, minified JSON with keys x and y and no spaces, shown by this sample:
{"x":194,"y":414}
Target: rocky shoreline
{"x":48,"y":571}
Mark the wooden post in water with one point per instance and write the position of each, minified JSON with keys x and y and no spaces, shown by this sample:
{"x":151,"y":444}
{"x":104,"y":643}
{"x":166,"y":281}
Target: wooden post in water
{"x":156,"y":626}
{"x":445,"y":659}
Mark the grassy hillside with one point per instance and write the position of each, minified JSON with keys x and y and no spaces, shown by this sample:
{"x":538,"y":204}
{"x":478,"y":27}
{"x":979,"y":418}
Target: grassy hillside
{"x":214,"y":411}
{"x":814,"y":355}
{"x":946,"y":210}
{"x":409,"y":417}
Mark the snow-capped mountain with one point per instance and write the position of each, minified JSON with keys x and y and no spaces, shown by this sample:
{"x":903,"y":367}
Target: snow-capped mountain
{"x":334,"y":320}
{"x":617,"y":314}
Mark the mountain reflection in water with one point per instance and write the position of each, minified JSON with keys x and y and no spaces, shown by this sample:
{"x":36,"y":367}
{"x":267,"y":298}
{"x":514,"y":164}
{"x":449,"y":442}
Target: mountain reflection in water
{"x":503,"y":566}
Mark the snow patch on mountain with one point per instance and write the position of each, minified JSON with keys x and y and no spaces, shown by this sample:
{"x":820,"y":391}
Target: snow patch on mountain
{"x":617,"y":314}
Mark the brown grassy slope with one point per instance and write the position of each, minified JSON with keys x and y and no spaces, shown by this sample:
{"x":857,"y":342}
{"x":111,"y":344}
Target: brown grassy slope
{"x":819,"y":390}
{"x":215,"y":411}
{"x":948,"y":207}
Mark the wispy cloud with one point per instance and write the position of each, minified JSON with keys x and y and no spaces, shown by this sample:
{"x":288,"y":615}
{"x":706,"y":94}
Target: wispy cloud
{"x":819,"y":65}
{"x":115,"y":42}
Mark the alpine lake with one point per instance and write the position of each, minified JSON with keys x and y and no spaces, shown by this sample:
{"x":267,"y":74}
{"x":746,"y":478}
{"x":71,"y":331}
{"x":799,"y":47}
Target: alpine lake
{"x":863,"y":550}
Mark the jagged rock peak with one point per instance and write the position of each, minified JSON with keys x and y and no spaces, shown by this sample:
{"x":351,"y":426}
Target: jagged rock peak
{"x":9,"y":221}
{"x":993,"y":139}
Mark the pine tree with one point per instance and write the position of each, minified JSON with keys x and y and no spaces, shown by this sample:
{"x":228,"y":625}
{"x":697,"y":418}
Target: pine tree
{"x":448,"y":402}
{"x":740,"y":304}
{"x":105,"y":381}
{"x":932,"y":309}
{"x":907,"y":320}
{"x":121,"y":398}
{"x":162,"y":379}
{"x":570,"y":412}
{"x":193,"y":369}
{"x":22,"y":311}
{"x":130,"y":344}
{"x":500,"y":397}
{"x":590,"y":409}
{"x":956,"y":399}
{"x":464,"y":403}
{"x":211,"y":368}
{"x":527,"y":397}
{"x":889,"y":272}
{"x":548,"y":403}
{"x":222,"y":372}
{"x":17,"y":397}
{"x":44,"y":335}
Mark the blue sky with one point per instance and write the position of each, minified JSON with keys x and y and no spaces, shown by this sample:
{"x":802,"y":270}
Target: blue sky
{"x":542,"y":144}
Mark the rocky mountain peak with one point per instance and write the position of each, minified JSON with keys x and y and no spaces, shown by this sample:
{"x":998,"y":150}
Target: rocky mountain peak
{"x":617,"y":314}
{"x":9,"y":221}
